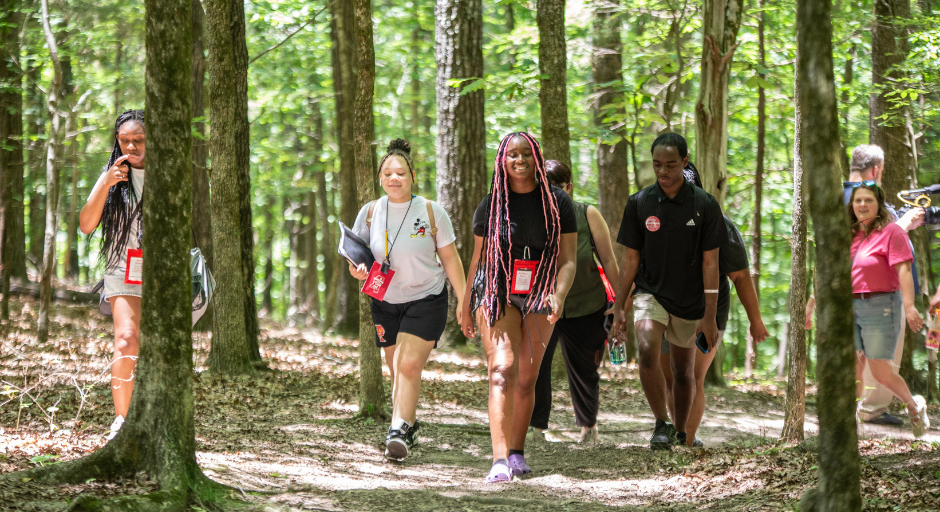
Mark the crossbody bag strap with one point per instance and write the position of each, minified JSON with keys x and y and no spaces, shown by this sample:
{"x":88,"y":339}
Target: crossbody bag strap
{"x":369,"y":215}
{"x":433,"y":223}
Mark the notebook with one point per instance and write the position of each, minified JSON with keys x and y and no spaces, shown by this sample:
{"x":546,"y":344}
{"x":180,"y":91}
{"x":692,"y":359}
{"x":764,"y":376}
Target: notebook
{"x":354,"y":249}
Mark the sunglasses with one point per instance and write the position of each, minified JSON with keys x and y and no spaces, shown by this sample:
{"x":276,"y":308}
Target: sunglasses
{"x":868,"y":183}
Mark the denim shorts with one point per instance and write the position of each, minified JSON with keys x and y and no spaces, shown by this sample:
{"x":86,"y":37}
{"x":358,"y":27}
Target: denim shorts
{"x":114,"y":284}
{"x":879,"y":322}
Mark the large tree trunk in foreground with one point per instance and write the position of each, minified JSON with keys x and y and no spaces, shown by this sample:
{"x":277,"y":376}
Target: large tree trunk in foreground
{"x":202,"y":209}
{"x":795,"y":403}
{"x":371,"y":391}
{"x":838,"y":442}
{"x":12,"y":240}
{"x":230,"y":342}
{"x":461,"y":130}
{"x":553,"y":90}
{"x":342,"y":35}
{"x":722,"y":19}
{"x":158,"y":437}
{"x":47,"y":270}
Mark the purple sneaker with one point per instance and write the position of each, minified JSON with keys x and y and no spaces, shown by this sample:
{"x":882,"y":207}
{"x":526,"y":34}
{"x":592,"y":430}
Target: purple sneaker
{"x":518,"y":465}
{"x":499,"y":472}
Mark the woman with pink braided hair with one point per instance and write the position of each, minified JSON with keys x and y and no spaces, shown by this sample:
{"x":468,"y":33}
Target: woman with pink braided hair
{"x":522,"y":268}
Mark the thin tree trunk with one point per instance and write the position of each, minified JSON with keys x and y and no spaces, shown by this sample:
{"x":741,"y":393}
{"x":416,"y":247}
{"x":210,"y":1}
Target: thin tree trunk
{"x":11,"y":154}
{"x":311,"y":274}
{"x":510,"y":27}
{"x":722,"y":18}
{"x":52,"y":179}
{"x":316,"y":213}
{"x":371,"y":390}
{"x":344,"y":86}
{"x":795,"y":402}
{"x":613,"y":182}
{"x":35,"y":128}
{"x":848,"y":76}
{"x":71,"y":254}
{"x":673,"y":89}
{"x":266,"y":303}
{"x":750,"y":362}
{"x":838,"y":442}
{"x":553,"y":90}
{"x":461,"y":129}
{"x":328,"y":247}
{"x":202,"y":208}
{"x":230,"y":341}
{"x":782,"y":350}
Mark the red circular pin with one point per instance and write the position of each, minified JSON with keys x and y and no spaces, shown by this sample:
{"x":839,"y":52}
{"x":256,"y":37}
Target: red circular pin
{"x":652,"y":224}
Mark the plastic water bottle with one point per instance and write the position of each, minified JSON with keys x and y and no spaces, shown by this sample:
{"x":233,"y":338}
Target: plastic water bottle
{"x":617,"y":351}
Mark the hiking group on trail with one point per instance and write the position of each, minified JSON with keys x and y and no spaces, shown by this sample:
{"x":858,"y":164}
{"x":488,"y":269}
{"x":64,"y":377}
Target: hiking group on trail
{"x":538,"y":278}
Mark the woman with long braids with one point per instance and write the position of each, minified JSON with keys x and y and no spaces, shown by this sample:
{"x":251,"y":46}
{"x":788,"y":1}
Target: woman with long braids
{"x":412,"y":240}
{"x":116,"y":203}
{"x":525,"y":236}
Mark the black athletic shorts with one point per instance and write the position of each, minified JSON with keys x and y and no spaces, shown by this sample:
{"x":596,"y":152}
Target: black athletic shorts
{"x":424,"y":318}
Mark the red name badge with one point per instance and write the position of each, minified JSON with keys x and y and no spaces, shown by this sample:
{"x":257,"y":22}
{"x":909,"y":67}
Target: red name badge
{"x":522,"y":273}
{"x":377,"y":283}
{"x":135,"y":267}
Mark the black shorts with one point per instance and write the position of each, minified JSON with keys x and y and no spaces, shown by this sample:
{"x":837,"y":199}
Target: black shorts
{"x":424,"y":318}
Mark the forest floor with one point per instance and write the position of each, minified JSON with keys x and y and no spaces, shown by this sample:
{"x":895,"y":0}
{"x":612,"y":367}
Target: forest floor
{"x":287,"y":440}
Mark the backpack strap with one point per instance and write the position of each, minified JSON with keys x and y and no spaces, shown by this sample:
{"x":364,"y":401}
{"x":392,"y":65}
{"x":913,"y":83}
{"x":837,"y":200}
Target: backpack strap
{"x":369,"y":215}
{"x":427,"y":202}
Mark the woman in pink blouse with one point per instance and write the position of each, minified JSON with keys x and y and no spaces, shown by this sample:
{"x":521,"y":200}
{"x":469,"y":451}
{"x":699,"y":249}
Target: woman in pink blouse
{"x":883,"y":291}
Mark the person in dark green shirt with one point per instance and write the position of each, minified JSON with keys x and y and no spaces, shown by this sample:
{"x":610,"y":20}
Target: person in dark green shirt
{"x":581,"y":327}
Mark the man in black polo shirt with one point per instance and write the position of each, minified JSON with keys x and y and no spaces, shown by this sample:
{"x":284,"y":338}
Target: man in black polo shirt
{"x":672,"y":232}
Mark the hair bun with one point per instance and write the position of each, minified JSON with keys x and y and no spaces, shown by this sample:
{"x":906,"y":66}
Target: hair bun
{"x":399,"y":145}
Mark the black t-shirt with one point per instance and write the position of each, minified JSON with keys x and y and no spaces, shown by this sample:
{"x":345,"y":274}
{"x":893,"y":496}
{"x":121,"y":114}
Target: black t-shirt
{"x":732,"y":257}
{"x":527,"y":221}
{"x":671,"y":237}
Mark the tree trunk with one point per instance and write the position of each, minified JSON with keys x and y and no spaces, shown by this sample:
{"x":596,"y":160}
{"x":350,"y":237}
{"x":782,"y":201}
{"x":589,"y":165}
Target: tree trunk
{"x":47,"y":270}
{"x":230,"y":341}
{"x":371,"y":390}
{"x":553,"y":90}
{"x":12,"y":243}
{"x":328,"y":247}
{"x":795,"y":402}
{"x":311,"y":275}
{"x":838,"y":442}
{"x":848,"y":76}
{"x":721,"y":21}
{"x":750,"y":361}
{"x":344,"y":87}
{"x":510,"y":27}
{"x":71,"y":254}
{"x":613,"y":182}
{"x":36,"y":129}
{"x":782,"y":350}
{"x":461,"y":128}
{"x":158,"y":436}
{"x":266,"y":303}
{"x":318,"y":223}
{"x":202,"y":209}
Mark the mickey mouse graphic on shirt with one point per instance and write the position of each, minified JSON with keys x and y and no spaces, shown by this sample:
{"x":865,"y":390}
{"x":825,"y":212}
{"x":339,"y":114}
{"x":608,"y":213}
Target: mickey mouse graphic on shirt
{"x":420,"y":228}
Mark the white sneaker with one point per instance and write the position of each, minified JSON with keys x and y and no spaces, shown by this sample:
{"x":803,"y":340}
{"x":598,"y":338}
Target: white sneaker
{"x":545,"y":435}
{"x":588,"y":435}
{"x":919,"y":422}
{"x":115,"y":427}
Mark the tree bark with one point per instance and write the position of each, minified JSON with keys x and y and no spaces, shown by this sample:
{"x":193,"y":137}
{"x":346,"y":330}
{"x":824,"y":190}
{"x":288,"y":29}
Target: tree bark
{"x":721,"y":21}
{"x":230,"y":341}
{"x":71,"y":254}
{"x":35,"y":128}
{"x":750,"y":361}
{"x":795,"y":402}
{"x":848,"y":76}
{"x":267,"y":304}
{"x":318,"y":223}
{"x":52,"y":178}
{"x":461,"y":128}
{"x":12,"y":239}
{"x":371,"y":390}
{"x":553,"y":90}
{"x":342,"y":36}
{"x":202,"y":208}
{"x":838,"y":442}
{"x":613,"y":181}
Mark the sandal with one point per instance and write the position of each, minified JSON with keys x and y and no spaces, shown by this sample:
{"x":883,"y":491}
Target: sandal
{"x":518,"y":465}
{"x":499,"y":472}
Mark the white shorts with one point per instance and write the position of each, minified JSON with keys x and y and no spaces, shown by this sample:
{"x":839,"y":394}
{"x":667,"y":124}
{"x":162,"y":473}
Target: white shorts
{"x":679,"y":331}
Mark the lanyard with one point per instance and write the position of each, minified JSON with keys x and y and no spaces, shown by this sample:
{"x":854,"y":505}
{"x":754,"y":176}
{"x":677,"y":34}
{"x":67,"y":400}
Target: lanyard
{"x":388,"y":248}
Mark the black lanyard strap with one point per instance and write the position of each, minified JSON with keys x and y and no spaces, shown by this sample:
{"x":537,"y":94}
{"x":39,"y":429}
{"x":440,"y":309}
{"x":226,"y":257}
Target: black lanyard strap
{"x":388,"y":250}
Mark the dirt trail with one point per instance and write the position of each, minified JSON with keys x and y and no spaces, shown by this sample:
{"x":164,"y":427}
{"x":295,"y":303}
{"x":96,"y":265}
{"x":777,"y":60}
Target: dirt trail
{"x":286,"y":438}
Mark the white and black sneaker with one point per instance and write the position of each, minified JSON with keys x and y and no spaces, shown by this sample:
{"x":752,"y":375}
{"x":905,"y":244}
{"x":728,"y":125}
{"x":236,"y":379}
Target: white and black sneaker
{"x":399,"y":441}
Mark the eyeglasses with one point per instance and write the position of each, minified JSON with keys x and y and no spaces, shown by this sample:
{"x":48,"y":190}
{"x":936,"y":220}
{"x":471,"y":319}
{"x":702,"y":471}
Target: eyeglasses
{"x":866,"y":183}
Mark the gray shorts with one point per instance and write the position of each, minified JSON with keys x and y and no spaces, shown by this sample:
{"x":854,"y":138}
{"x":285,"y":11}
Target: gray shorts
{"x":114,"y":284}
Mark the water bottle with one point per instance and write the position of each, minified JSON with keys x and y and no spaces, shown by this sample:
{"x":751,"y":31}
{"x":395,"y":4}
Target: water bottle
{"x":617,"y":351}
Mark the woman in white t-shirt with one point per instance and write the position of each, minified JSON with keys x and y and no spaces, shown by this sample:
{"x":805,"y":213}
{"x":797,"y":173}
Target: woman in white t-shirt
{"x":412,"y":240}
{"x":115,"y":204}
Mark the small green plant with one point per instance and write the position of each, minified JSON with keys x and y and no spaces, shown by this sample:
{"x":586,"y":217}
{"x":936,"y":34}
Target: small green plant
{"x":41,"y":460}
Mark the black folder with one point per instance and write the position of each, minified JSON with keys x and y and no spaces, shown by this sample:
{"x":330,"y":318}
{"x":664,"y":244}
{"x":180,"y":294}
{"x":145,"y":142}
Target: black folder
{"x":354,"y":249}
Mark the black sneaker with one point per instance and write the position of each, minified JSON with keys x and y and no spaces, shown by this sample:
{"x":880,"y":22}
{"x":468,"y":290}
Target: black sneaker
{"x":671,"y":432}
{"x":396,"y":444}
{"x":682,"y":438}
{"x":661,"y":439}
{"x":411,"y":437}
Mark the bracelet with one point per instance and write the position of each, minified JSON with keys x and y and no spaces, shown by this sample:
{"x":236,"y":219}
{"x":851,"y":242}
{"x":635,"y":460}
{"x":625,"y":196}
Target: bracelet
{"x":711,"y":291}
